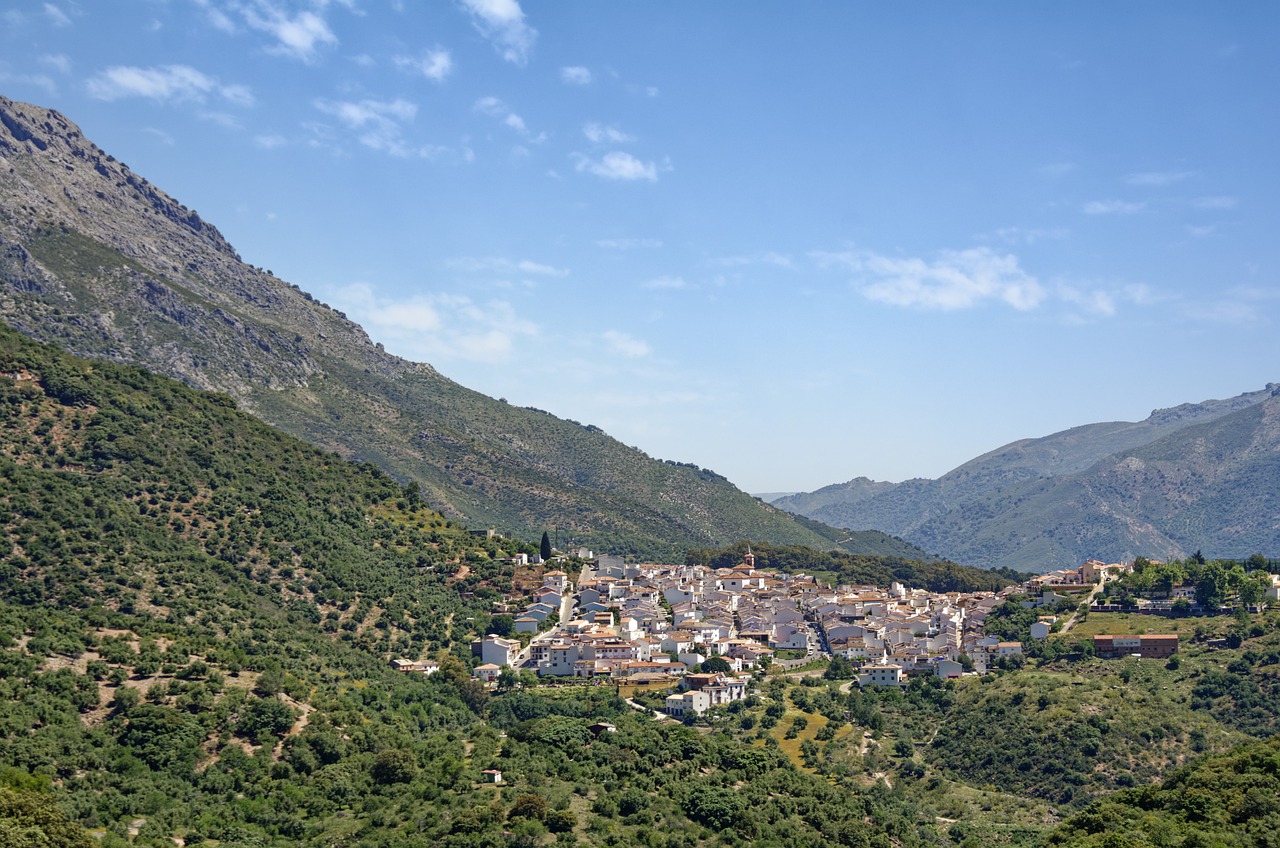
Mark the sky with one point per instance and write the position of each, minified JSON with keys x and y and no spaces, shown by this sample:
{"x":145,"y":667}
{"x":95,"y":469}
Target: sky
{"x":792,"y":242}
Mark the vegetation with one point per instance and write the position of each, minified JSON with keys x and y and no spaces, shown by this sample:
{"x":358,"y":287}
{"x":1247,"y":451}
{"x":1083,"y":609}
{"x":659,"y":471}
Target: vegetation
{"x":858,"y":569}
{"x":1231,"y":800}
{"x":196,"y":614}
{"x":195,"y":621}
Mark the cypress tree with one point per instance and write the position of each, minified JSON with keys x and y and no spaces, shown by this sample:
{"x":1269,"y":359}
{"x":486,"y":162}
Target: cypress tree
{"x":546,"y":546}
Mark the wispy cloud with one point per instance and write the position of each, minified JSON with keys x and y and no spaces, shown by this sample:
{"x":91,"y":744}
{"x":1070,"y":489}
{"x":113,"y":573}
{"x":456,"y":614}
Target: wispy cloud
{"x":1217,"y":202}
{"x":1112,"y":207}
{"x":436,"y":64}
{"x":58,"y":61}
{"x":299,"y":36}
{"x":1156,"y":178}
{"x":616,"y":165}
{"x":502,"y":22}
{"x":768,"y":257}
{"x":1201,"y":231}
{"x":1094,"y":301}
{"x":217,"y":18}
{"x":379,"y":124}
{"x":600,"y":134}
{"x":56,"y":16}
{"x":625,"y":344}
{"x":167,"y":83}
{"x":270,"y":142}
{"x":665,"y":283}
{"x":1029,"y":235}
{"x":629,"y":243}
{"x":575,"y":75}
{"x":495,"y":108}
{"x":43,"y":81}
{"x":440,"y":327}
{"x":957,"y":279}
{"x":502,"y":265}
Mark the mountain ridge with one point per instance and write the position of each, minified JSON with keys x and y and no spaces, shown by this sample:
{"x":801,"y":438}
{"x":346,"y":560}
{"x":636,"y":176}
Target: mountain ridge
{"x":1088,"y":491}
{"x":99,"y":261}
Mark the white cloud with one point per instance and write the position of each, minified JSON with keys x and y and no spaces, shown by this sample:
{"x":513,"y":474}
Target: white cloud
{"x":501,"y":265}
{"x":269,"y":142}
{"x":665,"y":283}
{"x":495,"y":108}
{"x":600,"y":134}
{"x":617,"y":165}
{"x":575,"y":75}
{"x":1096,"y":301}
{"x":222,"y":119}
{"x":299,"y":35}
{"x":56,"y":16}
{"x":1229,"y":312}
{"x":1200,"y":232}
{"x":767,"y":257}
{"x":378,"y":123}
{"x":628,"y":243}
{"x":166,"y":83}
{"x":1112,"y":207}
{"x":436,"y":64}
{"x":502,"y":22}
{"x":1218,"y":202}
{"x":1156,"y":178}
{"x":958,"y":279}
{"x":438,"y":326}
{"x":58,"y":61}
{"x":625,"y":344}
{"x":1030,"y":235}
{"x":43,"y":81}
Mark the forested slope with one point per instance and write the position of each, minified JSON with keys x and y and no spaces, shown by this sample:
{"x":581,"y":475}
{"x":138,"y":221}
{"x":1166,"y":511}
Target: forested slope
{"x":196,"y":614}
{"x":98,"y":260}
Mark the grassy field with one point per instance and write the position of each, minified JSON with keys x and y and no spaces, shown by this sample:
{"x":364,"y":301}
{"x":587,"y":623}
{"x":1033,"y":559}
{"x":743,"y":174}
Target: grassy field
{"x":1136,"y":624}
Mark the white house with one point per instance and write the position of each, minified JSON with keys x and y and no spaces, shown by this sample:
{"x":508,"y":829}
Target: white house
{"x":881,"y":675}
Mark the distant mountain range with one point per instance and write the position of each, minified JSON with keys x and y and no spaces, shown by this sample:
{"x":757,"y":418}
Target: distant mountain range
{"x":1202,"y":476}
{"x":99,"y":261}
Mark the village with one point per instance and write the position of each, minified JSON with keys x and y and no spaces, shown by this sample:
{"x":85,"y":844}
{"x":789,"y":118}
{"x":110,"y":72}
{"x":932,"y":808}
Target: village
{"x":703,"y":631}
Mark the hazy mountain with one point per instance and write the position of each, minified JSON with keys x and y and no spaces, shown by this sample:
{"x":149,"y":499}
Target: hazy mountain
{"x":99,"y":261}
{"x":1197,"y":476}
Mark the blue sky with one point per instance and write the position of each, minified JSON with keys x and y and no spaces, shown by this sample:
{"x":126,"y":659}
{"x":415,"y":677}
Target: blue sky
{"x":791,"y":242}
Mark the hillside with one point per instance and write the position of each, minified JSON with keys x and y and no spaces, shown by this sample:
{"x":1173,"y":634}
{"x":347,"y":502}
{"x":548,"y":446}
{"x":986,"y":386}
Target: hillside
{"x":1192,"y":477}
{"x":1227,"y":800}
{"x":99,"y":261}
{"x":196,"y":613}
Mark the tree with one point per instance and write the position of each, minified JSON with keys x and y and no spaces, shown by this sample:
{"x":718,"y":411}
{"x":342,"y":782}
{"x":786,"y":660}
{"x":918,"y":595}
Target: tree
{"x":715,"y":665}
{"x":528,"y":807}
{"x":1254,"y":588}
{"x":394,"y":766}
{"x":545,"y":550}
{"x":1211,"y":587}
{"x":507,"y":678}
{"x":265,"y":718}
{"x":33,"y":820}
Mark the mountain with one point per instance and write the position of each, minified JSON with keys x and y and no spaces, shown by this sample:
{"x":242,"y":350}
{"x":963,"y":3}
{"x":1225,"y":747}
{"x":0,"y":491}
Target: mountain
{"x":99,"y":261}
{"x":1197,"y":476}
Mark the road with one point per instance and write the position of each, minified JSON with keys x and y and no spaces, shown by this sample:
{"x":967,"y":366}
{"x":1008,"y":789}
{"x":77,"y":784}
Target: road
{"x":1071,"y":622}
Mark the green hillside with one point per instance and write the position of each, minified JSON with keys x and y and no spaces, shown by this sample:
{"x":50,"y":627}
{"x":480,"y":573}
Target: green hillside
{"x":97,"y":260}
{"x":196,"y":614}
{"x":1230,"y":800}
